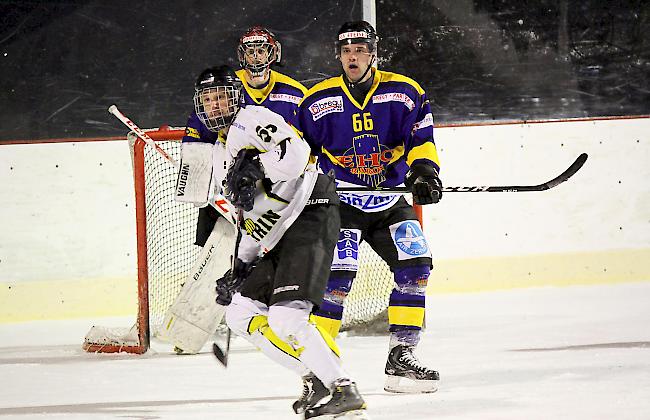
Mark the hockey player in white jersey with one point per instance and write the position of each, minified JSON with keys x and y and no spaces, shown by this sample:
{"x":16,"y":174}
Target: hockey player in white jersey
{"x":192,"y":319}
{"x":289,"y":223}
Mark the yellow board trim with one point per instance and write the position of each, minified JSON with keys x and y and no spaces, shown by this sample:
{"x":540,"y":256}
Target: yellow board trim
{"x":65,"y":299}
{"x":109,"y":297}
{"x":540,"y":270}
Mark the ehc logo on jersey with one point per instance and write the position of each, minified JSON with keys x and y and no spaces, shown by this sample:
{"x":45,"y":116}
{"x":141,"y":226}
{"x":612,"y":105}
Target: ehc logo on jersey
{"x":409,"y":240}
{"x":326,"y":106}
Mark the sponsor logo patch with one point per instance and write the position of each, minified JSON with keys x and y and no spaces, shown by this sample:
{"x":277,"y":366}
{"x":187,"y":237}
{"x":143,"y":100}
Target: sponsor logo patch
{"x":283,"y":97}
{"x":409,"y":240}
{"x":346,"y":253}
{"x":394,"y":97}
{"x":427,"y":121}
{"x":192,"y":132}
{"x":259,"y":228}
{"x":353,"y":34}
{"x":326,"y":106}
{"x":253,"y":38}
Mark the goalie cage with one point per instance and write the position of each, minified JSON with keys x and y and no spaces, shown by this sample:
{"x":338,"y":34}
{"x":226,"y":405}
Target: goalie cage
{"x":166,"y":252}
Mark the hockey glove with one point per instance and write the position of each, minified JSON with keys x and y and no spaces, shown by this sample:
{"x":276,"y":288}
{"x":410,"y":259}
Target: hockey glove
{"x":245,"y":171}
{"x":423,"y":181}
{"x":231,"y":283}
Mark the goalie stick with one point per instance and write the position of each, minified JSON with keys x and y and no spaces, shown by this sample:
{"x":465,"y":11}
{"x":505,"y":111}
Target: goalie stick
{"x":143,"y":135}
{"x":564,"y":176}
{"x":219,"y":204}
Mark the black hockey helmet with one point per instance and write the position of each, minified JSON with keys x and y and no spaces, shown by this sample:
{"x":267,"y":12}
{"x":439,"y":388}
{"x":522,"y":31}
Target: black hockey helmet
{"x":357,"y":32}
{"x":216,"y":97}
{"x":254,"y":41}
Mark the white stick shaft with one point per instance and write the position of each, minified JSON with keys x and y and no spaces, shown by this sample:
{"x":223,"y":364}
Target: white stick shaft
{"x":140,"y":133}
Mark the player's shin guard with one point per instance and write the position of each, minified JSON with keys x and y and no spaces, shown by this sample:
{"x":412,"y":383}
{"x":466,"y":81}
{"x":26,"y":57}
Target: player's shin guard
{"x":405,"y":373}
{"x":329,"y":315}
{"x":407,"y":301}
{"x":246,"y":320}
{"x":318,"y":352}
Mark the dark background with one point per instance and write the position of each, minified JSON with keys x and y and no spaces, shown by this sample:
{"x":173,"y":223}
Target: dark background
{"x":62,"y":63}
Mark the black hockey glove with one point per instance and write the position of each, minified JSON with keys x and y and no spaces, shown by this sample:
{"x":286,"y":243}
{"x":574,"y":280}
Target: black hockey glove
{"x":241,"y":177}
{"x":230,"y":284}
{"x":423,"y":181}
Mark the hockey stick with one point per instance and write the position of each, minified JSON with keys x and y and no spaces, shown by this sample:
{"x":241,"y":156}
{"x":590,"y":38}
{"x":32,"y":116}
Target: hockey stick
{"x":222,"y":354}
{"x":564,"y":176}
{"x":218,"y":204}
{"x":140,"y":133}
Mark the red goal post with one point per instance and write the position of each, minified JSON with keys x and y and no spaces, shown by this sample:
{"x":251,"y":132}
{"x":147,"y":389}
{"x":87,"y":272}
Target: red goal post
{"x":166,"y":252}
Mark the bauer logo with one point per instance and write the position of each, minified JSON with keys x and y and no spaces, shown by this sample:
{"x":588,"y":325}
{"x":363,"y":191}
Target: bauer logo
{"x":409,"y":240}
{"x":326,"y":106}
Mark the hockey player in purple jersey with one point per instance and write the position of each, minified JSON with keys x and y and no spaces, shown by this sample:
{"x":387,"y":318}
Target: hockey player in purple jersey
{"x":375,"y":129}
{"x":258,"y":50}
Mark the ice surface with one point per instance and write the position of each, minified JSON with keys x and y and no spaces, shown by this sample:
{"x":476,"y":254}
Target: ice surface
{"x":578,"y":352}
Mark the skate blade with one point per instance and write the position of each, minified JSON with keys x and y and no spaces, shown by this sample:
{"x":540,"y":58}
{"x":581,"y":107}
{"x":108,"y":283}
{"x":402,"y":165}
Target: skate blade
{"x":349,"y":415}
{"x":402,"y":385}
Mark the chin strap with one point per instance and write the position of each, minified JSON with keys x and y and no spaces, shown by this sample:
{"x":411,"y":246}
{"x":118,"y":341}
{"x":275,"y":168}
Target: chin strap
{"x":353,"y":83}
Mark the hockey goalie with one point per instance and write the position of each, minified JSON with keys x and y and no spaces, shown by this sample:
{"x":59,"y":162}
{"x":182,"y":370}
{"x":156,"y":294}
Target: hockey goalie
{"x":194,"y":317}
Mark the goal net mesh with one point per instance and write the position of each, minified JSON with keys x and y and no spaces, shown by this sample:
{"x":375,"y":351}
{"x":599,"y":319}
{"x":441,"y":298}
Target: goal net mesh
{"x":171,"y":253}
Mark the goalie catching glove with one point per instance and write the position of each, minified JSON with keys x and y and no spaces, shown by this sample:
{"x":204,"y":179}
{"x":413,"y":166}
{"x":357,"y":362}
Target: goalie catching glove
{"x":232,"y":281}
{"x":245,"y":171}
{"x":423,"y":181}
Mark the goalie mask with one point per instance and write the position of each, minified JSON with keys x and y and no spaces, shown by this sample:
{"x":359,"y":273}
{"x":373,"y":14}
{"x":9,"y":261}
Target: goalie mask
{"x":357,"y":32}
{"x":216,"y":97}
{"x":258,"y":49}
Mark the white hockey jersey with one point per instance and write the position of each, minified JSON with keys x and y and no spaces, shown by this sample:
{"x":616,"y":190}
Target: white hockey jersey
{"x":285,"y":158}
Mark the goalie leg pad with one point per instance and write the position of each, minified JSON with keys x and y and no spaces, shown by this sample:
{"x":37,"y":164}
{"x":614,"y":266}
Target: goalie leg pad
{"x":194,"y":316}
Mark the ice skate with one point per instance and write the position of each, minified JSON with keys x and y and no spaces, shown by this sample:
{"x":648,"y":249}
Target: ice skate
{"x":346,"y":403}
{"x":405,"y":373}
{"x":313,"y":391}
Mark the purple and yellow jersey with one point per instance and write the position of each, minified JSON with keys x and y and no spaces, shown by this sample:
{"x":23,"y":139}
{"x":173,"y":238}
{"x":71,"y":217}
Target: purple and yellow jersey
{"x":374,"y":143}
{"x":281,"y":95}
{"x":196,"y":131}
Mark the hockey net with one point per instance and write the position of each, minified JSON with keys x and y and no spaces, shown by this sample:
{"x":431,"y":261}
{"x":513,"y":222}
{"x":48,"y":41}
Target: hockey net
{"x":166,"y":252}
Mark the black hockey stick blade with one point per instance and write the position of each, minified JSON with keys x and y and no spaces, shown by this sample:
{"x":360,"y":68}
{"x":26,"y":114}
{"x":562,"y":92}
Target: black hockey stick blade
{"x":568,"y":173}
{"x":222,"y":355}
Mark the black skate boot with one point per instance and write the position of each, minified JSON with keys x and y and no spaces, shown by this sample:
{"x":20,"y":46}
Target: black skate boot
{"x":346,"y":403}
{"x":313,"y":391}
{"x":405,"y":373}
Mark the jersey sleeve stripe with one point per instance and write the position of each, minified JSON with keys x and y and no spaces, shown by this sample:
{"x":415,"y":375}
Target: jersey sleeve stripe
{"x":424,"y":151}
